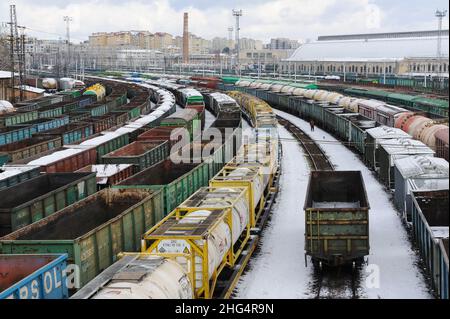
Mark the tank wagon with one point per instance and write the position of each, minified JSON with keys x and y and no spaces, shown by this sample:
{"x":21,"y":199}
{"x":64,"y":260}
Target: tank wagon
{"x":193,"y":247}
{"x":367,"y":140}
{"x":326,"y":108}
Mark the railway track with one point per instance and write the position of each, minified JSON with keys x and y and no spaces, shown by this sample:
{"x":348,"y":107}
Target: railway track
{"x":327,"y":282}
{"x":336,"y":283}
{"x":317,"y":158}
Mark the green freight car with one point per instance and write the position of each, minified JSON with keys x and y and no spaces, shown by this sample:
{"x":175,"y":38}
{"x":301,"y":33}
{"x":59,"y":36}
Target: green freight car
{"x":93,"y":231}
{"x":336,"y":218}
{"x":36,"y":198}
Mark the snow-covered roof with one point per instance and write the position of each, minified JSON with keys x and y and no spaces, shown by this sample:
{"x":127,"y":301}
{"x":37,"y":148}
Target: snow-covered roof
{"x":31,"y":89}
{"x":440,"y":231}
{"x":405,"y":146}
{"x":12,"y":170}
{"x":386,"y":132}
{"x":428,"y":184}
{"x":422,"y":166}
{"x":103,"y":171}
{"x":369,"y":50}
{"x":5,"y":74}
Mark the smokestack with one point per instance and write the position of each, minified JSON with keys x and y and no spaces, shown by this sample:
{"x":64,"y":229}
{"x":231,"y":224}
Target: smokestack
{"x":185,"y":38}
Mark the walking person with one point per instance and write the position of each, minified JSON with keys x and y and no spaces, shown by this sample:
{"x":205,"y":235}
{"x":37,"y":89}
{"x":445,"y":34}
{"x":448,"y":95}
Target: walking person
{"x":311,"y":123}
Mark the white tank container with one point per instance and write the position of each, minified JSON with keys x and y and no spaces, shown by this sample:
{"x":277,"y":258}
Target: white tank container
{"x":6,"y":107}
{"x":49,"y":84}
{"x":240,"y":211}
{"x":265,"y":86}
{"x":299,"y":92}
{"x":334,"y":97}
{"x":287,"y":89}
{"x":243,"y":173}
{"x":319,"y":95}
{"x":162,"y":279}
{"x":345,"y":101}
{"x":219,"y":243}
{"x":310,"y":93}
{"x":354,"y":105}
{"x":66,"y":83}
{"x":276,"y":87}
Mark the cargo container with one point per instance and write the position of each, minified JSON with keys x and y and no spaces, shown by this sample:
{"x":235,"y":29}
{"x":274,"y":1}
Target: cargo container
{"x":70,"y":133}
{"x":41,"y":125}
{"x":17,"y":117}
{"x":121,"y":117}
{"x":97,"y":90}
{"x":11,"y":175}
{"x":161,"y":134}
{"x":430,"y":220}
{"x":30,"y":147}
{"x":336,"y":218}
{"x":102,"y":123}
{"x":203,"y":236}
{"x":15,"y":133}
{"x":95,"y":109}
{"x":93,"y":231}
{"x":51,"y":111}
{"x":176,"y":181}
{"x":140,"y":154}
{"x":185,"y":118}
{"x":33,"y":276}
{"x":109,"y":174}
{"x":134,"y":110}
{"x":104,"y":143}
{"x":373,"y":138}
{"x":78,"y":116}
{"x":417,"y":173}
{"x":41,"y":196}
{"x":154,"y":282}
{"x":62,"y":159}
{"x":250,"y":178}
{"x":443,"y":268}
{"x":391,"y":150}
{"x":4,"y":158}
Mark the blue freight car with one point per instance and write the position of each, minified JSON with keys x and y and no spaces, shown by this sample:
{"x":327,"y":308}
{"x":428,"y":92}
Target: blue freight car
{"x":33,"y":276}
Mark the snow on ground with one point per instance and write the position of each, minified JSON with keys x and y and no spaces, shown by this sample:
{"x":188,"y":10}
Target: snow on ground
{"x":390,"y":249}
{"x":278,"y":269}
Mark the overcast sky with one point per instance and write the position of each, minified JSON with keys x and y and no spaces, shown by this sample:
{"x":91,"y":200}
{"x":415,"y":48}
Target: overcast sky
{"x":262,"y":19}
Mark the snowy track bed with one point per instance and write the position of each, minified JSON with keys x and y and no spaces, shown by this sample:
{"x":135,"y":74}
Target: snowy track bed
{"x":278,"y":268}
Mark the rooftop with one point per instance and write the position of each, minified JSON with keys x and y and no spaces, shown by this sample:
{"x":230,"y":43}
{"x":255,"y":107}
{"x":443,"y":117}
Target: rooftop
{"x":363,"y":50}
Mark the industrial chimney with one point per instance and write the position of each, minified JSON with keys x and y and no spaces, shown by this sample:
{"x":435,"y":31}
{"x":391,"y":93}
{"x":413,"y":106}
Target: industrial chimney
{"x":185,"y":39}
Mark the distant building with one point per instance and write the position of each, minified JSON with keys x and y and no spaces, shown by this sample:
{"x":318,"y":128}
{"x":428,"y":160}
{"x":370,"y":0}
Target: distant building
{"x":283,"y":44}
{"x":250,"y":44}
{"x":263,"y":56}
{"x":218,"y":44}
{"x":399,"y":53}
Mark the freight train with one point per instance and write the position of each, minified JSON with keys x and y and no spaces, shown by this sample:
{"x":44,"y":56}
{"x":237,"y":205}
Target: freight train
{"x":317,"y":104}
{"x":208,"y":236}
{"x":171,"y":184}
{"x":408,"y":168}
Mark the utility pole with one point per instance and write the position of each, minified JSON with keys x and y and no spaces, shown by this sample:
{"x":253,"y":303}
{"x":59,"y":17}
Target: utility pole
{"x":440,"y":15}
{"x":17,"y":54}
{"x":67,"y":19}
{"x":237,"y":14}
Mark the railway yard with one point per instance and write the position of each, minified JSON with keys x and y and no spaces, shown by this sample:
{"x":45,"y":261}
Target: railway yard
{"x":223,"y":187}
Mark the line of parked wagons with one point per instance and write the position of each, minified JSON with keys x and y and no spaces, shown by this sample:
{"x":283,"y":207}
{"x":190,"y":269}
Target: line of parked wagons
{"x":92,"y":226}
{"x":384,"y":137}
